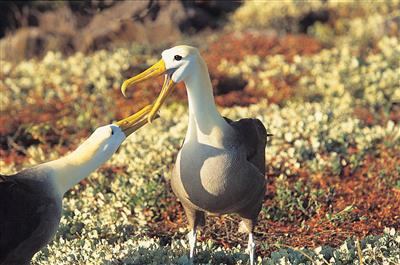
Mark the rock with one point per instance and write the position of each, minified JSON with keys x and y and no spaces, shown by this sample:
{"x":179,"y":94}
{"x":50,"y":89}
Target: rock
{"x":203,"y":14}
{"x":55,"y":31}
{"x":141,"y":21}
{"x":60,"y":21}
{"x":24,"y":43}
{"x":94,"y":26}
{"x":60,"y":29}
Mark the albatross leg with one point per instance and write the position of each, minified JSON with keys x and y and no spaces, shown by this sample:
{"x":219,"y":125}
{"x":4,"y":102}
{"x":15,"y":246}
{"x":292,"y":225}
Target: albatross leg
{"x":195,"y":218}
{"x":251,"y":247}
{"x":192,"y":236}
{"x":247,"y":225}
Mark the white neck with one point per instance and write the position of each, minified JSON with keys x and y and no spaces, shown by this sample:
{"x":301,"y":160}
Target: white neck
{"x":71,"y":169}
{"x":206,"y":125}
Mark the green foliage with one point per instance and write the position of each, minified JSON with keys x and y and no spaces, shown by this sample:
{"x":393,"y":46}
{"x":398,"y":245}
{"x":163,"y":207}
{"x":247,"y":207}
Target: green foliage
{"x":293,"y":201}
{"x":316,"y":132}
{"x":340,"y":216}
{"x":372,"y":250}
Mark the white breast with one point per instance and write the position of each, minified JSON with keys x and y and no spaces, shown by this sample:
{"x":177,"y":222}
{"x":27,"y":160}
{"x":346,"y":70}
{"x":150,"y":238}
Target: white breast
{"x":212,"y":178}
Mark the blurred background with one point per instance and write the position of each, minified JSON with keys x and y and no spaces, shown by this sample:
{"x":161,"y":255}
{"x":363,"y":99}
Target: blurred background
{"x":322,"y":75}
{"x":35,"y":27}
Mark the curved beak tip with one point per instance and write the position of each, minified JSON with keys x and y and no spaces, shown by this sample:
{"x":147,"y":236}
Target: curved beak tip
{"x":154,"y":71}
{"x":123,"y":89}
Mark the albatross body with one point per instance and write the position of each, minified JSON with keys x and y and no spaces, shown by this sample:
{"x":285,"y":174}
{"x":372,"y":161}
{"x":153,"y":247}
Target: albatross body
{"x":227,"y":178}
{"x":31,"y":200}
{"x":220,"y":168}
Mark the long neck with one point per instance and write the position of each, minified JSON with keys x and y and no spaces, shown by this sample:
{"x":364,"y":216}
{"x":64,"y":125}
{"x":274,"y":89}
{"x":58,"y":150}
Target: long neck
{"x":71,"y":169}
{"x":205,"y":122}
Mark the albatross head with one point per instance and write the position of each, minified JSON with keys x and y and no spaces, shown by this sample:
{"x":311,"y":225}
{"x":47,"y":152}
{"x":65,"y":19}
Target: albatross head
{"x":93,"y":152}
{"x":105,"y":140}
{"x":177,"y":64}
{"x":180,"y":62}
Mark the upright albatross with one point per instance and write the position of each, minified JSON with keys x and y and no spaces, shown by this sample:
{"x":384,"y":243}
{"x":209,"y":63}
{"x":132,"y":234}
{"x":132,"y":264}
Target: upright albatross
{"x":31,"y":200}
{"x":220,"y":168}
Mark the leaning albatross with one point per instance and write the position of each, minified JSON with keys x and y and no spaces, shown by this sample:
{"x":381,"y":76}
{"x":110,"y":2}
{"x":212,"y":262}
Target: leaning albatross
{"x":220,"y":168}
{"x":31,"y":200}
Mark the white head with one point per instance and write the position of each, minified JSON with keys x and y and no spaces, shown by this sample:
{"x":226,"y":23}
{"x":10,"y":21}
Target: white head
{"x":91,"y":154}
{"x":103,"y":142}
{"x":96,"y":149}
{"x":180,"y":63}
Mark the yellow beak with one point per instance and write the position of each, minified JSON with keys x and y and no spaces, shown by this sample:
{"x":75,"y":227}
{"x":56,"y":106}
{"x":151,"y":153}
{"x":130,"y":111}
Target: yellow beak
{"x":154,"y":71}
{"x":135,"y":121}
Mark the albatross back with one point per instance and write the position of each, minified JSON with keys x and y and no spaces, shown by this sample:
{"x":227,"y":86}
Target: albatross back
{"x":253,"y":135}
{"x":29,"y":216}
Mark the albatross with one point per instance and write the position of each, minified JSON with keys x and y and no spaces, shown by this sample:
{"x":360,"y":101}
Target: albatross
{"x":31,"y":200}
{"x":220,"y":168}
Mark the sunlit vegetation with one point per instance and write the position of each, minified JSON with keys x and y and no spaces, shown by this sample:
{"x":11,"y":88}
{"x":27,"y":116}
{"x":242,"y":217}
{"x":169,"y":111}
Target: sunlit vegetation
{"x":330,"y":96}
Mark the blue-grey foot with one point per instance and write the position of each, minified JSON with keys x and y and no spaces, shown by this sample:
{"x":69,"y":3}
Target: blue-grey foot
{"x":192,"y":236}
{"x":251,"y":248}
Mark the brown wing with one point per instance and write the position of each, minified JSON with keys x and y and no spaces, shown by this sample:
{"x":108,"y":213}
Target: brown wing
{"x":21,"y":210}
{"x":253,"y":135}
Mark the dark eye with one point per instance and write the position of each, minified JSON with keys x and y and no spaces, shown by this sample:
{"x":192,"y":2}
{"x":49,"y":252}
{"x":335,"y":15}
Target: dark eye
{"x":112,"y":131}
{"x":178,"y":57}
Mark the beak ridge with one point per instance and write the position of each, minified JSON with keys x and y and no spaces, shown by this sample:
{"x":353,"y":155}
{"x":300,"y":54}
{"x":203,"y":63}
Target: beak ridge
{"x":135,"y":121}
{"x":154,"y":71}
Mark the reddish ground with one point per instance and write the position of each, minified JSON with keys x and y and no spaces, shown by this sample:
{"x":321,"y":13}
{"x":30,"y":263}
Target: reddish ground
{"x":229,"y":92}
{"x":353,"y":203}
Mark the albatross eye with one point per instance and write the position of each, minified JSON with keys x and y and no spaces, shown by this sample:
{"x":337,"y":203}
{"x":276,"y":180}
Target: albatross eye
{"x":178,"y":57}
